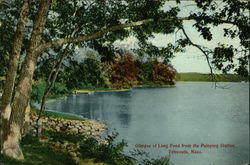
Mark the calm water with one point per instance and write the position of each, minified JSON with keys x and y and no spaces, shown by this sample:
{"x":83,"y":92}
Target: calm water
{"x":191,"y":113}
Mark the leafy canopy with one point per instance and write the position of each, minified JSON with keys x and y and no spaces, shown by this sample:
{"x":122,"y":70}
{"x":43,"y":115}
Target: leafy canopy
{"x":77,"y":18}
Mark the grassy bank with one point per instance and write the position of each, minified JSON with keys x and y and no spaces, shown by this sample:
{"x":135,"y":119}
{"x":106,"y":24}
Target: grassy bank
{"x":208,"y":78}
{"x":57,"y":115}
{"x":37,"y":153}
{"x":57,"y":148}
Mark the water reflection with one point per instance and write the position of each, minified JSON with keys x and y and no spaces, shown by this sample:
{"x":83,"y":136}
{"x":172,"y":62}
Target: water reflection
{"x":98,"y":106}
{"x":124,"y":115}
{"x":191,"y":113}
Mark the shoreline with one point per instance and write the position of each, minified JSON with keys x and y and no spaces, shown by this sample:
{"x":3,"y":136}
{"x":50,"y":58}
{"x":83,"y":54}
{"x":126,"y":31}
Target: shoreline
{"x":84,"y":91}
{"x":87,"y":91}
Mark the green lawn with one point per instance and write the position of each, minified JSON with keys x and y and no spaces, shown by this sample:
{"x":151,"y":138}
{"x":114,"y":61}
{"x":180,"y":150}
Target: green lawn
{"x":207,"y":77}
{"x":58,"y":115}
{"x":36,"y":153}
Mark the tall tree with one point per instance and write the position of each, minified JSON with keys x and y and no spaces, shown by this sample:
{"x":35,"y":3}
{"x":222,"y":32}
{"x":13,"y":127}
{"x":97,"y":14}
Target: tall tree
{"x":12,"y":132}
{"x":107,"y":20}
{"x":5,"y":106}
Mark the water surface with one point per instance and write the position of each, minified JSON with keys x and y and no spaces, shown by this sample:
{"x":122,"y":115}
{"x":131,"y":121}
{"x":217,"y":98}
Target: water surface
{"x":191,"y":113}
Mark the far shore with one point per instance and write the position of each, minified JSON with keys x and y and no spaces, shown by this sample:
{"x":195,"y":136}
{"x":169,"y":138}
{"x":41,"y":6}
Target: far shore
{"x":104,"y":90}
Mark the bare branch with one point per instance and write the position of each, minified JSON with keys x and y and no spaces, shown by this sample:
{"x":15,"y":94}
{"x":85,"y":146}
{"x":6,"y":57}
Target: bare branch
{"x":205,"y":53}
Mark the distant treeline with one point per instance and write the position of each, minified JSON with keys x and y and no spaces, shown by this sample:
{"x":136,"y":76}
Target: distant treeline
{"x":121,"y":72}
{"x":208,"y":77}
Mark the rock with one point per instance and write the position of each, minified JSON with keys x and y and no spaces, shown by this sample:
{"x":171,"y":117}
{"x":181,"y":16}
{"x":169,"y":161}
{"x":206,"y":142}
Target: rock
{"x":52,"y":123}
{"x":65,"y":145}
{"x":72,"y":154}
{"x":60,"y":125}
{"x":57,"y":128}
{"x":57,"y":144}
{"x":70,"y":126}
{"x":88,"y":133}
{"x":74,"y":130}
{"x":87,"y":128}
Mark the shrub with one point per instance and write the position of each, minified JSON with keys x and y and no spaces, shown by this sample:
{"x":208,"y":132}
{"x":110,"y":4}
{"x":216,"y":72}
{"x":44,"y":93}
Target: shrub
{"x":39,"y":87}
{"x":110,"y":153}
{"x":163,"y":74}
{"x":60,"y":88}
{"x":83,"y":75}
{"x":143,"y":158}
{"x":125,"y":72}
{"x":146,"y":72}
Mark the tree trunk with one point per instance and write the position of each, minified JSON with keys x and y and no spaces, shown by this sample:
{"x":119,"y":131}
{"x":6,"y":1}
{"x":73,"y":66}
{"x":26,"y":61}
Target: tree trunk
{"x":51,"y":80}
{"x":12,"y":135}
{"x":5,"y":107}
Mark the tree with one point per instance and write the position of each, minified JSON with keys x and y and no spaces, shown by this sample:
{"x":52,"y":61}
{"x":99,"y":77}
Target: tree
{"x":163,"y":74}
{"x":109,"y":20}
{"x":125,"y":72}
{"x":11,"y":75}
{"x":52,"y":79}
{"x":16,"y":112}
{"x":83,"y":74}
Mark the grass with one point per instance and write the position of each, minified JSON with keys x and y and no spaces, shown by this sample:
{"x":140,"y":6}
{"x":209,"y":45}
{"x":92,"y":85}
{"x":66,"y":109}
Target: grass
{"x":58,"y":115}
{"x":56,"y":96}
{"x":36,"y":153}
{"x":61,"y":115}
{"x":63,"y":136}
{"x":208,"y":78}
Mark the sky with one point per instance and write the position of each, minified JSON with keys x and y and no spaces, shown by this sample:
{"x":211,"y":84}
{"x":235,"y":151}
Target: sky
{"x":192,"y":60}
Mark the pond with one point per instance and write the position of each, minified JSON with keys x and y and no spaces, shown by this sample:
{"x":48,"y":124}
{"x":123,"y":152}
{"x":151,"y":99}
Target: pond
{"x":192,"y":123}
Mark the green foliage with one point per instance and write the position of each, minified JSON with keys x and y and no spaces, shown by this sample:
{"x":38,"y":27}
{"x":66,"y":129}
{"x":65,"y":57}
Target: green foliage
{"x":152,"y":161}
{"x":232,"y":12}
{"x":143,"y":158}
{"x":146,"y":72}
{"x":63,"y":136}
{"x":37,"y":92}
{"x":44,"y":67}
{"x":110,"y":153}
{"x":7,"y":31}
{"x":160,"y":161}
{"x":36,"y":153}
{"x":82,"y":18}
{"x":57,"y":91}
{"x":86,"y":74}
{"x":156,"y":73}
{"x":60,"y":88}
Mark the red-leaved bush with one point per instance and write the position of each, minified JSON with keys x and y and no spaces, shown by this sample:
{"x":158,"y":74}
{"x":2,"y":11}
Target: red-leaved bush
{"x":163,"y":74}
{"x":125,"y":72}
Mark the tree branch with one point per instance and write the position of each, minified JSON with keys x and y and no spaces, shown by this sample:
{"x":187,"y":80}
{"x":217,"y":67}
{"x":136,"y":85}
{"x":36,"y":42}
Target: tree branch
{"x":205,"y":53}
{"x":102,"y":32}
